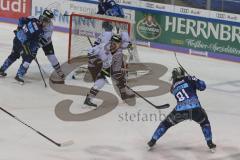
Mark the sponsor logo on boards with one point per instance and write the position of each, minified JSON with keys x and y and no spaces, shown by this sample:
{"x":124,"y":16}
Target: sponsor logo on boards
{"x":148,"y":28}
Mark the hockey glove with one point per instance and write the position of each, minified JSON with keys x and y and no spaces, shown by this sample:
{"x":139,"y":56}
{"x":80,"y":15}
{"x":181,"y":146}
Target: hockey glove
{"x":130,"y":46}
{"x":94,"y":61}
{"x":194,"y":78}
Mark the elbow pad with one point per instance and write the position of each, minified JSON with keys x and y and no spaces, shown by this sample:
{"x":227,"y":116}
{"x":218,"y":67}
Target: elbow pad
{"x":201,"y":85}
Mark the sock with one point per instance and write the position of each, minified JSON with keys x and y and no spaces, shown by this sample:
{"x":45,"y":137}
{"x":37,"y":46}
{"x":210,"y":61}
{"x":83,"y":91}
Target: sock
{"x":6,"y":64}
{"x":206,"y":129}
{"x":159,"y":132}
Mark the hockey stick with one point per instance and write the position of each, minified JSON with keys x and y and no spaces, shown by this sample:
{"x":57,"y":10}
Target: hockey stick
{"x":59,"y":6}
{"x":28,"y":52}
{"x":45,"y":84}
{"x":89,"y":40}
{"x":180,"y":64}
{"x":67,"y":143}
{"x":139,"y":95}
{"x":163,"y":106}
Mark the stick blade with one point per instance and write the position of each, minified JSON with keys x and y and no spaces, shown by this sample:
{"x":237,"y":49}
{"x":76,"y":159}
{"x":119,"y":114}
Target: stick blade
{"x":163,"y":106}
{"x":67,"y":143}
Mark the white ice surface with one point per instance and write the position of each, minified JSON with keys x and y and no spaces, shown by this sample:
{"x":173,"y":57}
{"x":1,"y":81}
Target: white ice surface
{"x":107,"y":137}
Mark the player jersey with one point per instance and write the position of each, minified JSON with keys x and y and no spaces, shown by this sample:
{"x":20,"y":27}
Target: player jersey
{"x":102,"y":52}
{"x":105,"y":37}
{"x":185,"y":93}
{"x":110,"y":8}
{"x":47,"y":35}
{"x":29,"y":31}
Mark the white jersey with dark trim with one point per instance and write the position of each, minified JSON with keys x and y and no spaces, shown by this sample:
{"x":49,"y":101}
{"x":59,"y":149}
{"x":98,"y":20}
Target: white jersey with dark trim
{"x":102,"y":51}
{"x":105,"y":37}
{"x":48,"y":31}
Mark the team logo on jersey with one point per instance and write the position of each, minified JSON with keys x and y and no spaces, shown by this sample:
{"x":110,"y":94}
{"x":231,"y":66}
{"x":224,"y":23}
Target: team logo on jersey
{"x":148,"y":28}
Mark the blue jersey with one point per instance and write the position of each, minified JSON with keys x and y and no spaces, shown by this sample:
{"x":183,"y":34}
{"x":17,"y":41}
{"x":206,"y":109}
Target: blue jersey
{"x":29,"y":32}
{"x":185,"y":93}
{"x":110,"y":8}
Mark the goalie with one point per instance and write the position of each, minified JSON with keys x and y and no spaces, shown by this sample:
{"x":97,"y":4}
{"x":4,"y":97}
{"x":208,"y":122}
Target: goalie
{"x":106,"y":59}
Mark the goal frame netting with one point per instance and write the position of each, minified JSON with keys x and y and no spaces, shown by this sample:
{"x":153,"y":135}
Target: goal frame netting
{"x":131,"y":56}
{"x":96,"y":17}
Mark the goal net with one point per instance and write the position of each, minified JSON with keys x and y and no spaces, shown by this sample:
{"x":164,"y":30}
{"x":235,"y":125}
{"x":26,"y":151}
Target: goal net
{"x":85,"y":29}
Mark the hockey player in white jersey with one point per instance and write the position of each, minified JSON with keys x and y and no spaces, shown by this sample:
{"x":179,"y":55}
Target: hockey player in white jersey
{"x":105,"y":37}
{"x":106,"y":59}
{"x":47,"y":45}
{"x":126,"y":43}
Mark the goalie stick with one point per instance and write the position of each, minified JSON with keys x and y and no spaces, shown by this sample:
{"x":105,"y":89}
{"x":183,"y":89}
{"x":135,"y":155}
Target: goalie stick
{"x":64,"y":144}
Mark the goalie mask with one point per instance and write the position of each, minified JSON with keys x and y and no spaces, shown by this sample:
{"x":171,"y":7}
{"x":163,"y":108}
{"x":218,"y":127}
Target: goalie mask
{"x":177,"y":74}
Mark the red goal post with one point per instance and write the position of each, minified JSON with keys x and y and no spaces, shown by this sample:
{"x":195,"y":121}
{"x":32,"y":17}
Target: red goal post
{"x":84,"y":26}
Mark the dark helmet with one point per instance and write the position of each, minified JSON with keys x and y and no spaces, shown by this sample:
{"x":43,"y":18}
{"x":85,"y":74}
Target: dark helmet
{"x":101,"y":1}
{"x":46,"y":16}
{"x":177,"y":74}
{"x":48,"y":13}
{"x":116,"y":38}
{"x":107,"y":26}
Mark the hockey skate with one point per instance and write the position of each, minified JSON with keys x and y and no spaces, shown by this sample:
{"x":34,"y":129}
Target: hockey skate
{"x":125,"y":96}
{"x":19,"y":79}
{"x":2,"y":73}
{"x":211,"y":146}
{"x":89,"y":103}
{"x":151,"y":143}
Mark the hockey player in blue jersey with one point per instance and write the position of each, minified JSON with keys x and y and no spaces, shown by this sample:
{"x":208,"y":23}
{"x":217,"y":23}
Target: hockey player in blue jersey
{"x":110,"y":8}
{"x":188,"y":107}
{"x":25,"y":44}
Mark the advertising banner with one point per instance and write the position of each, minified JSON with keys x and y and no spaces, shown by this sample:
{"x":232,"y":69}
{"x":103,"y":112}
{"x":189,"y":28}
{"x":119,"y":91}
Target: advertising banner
{"x":15,"y":8}
{"x":197,"y":34}
{"x":63,"y":7}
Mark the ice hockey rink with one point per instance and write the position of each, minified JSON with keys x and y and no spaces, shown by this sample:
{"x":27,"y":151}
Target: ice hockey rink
{"x":114,"y":136}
